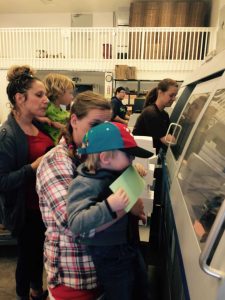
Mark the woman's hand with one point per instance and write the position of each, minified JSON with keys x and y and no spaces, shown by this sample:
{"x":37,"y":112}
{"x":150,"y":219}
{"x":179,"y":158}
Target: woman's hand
{"x":36,"y":163}
{"x":167,"y":139}
{"x":141,"y":169}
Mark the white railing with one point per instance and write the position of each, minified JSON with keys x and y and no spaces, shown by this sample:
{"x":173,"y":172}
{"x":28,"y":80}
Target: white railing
{"x":100,"y":49}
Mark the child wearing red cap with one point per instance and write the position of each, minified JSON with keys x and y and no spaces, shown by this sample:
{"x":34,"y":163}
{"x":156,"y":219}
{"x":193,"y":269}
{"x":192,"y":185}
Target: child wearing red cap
{"x":97,"y":217}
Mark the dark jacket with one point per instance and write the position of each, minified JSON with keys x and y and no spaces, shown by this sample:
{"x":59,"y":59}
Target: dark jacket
{"x":153,"y":122}
{"x":88,"y":209}
{"x":14,"y":172}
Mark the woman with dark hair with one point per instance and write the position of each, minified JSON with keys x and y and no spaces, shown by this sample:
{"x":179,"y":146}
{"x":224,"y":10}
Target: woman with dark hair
{"x":154,"y":120}
{"x":22,"y":146}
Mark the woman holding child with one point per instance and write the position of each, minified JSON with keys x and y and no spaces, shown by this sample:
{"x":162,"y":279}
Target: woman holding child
{"x":70,"y":270}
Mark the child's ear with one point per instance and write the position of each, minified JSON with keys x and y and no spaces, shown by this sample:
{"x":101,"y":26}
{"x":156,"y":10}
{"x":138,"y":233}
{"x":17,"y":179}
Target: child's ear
{"x":104,"y":159}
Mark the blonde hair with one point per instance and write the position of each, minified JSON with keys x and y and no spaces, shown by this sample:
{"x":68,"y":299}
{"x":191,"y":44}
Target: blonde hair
{"x":86,"y":101}
{"x":92,"y":162}
{"x":56,"y":85}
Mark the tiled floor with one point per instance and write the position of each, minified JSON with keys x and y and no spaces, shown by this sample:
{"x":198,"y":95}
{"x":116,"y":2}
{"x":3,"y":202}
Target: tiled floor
{"x":8,"y":266}
{"x":7,"y":272}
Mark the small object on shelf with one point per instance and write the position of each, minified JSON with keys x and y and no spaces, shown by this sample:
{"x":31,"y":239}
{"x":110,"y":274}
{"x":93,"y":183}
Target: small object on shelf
{"x":121,"y":72}
{"x":131,"y":72}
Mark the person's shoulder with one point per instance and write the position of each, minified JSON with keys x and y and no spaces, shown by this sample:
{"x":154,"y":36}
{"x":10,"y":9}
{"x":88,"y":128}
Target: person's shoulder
{"x":58,"y":153}
{"x":165,"y":113}
{"x":7,"y":129}
{"x":149,"y":110}
{"x":115,"y":100}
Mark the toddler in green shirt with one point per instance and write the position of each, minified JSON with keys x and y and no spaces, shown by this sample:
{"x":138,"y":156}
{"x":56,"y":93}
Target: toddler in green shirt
{"x":60,"y":91}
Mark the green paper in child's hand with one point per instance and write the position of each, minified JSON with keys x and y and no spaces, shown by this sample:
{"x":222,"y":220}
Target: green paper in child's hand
{"x":132,"y":183}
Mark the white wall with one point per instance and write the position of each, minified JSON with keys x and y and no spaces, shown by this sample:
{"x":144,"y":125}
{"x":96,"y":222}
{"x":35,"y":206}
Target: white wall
{"x":214,"y":13}
{"x":96,"y":78}
{"x":35,"y":20}
{"x":103,"y":19}
{"x":5,"y":109}
{"x":215,"y":7}
{"x":51,"y":20}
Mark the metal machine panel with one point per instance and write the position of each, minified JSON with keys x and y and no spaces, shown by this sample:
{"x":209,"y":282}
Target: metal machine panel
{"x":188,"y":121}
{"x":198,"y":190}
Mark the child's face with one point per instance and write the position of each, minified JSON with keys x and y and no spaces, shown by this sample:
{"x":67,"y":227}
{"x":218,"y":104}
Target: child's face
{"x":67,"y":97}
{"x":120,"y":161}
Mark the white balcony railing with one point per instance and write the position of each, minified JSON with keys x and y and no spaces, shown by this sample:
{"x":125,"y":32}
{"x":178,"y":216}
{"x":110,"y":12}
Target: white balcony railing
{"x":100,"y":49}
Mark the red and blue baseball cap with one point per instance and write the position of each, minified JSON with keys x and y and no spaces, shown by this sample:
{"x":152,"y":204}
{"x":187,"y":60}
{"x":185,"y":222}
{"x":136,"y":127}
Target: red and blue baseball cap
{"x":111,"y":136}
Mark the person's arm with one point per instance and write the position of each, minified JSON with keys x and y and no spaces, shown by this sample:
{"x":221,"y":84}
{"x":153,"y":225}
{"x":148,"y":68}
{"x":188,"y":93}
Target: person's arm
{"x":167,"y":139}
{"x":154,"y":127}
{"x":120,"y":120}
{"x":115,"y":113}
{"x":53,"y":178}
{"x":127,"y":117}
{"x":44,"y":120}
{"x":58,"y":125}
{"x":85,"y":213}
{"x":137,"y":210}
{"x":11,"y":176}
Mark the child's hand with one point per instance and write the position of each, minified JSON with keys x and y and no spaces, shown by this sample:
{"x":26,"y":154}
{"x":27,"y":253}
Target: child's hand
{"x":58,"y":125}
{"x":141,"y":170}
{"x":44,"y":120}
{"x":118,"y":201}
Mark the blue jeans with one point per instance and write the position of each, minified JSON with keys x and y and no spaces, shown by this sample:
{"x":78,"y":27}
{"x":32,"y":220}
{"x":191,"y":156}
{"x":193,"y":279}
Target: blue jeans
{"x":121,"y":271}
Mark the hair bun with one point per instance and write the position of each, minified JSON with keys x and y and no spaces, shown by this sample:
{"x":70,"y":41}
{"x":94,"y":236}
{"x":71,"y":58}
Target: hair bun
{"x":15,"y":72}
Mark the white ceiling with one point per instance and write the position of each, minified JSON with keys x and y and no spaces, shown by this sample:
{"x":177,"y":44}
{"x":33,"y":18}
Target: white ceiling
{"x":61,"y":6}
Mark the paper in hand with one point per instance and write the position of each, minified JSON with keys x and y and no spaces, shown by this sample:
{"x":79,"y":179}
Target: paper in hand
{"x":132,"y":183}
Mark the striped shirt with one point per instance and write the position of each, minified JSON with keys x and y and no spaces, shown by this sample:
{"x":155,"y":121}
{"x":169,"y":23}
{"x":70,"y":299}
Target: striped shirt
{"x":66,"y":262}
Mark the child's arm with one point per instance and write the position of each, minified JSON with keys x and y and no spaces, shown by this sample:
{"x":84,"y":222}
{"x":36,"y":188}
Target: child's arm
{"x":46,"y":120}
{"x":137,"y":210}
{"x":84,"y":213}
{"x":58,"y":125}
{"x":119,"y":200}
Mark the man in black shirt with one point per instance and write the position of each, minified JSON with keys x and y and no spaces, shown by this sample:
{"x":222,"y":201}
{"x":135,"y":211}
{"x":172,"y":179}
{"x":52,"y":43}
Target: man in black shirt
{"x":119,"y":110}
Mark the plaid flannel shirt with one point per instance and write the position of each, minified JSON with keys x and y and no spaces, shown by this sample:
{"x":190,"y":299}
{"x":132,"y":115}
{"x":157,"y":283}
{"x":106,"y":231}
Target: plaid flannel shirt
{"x":66,"y":262}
